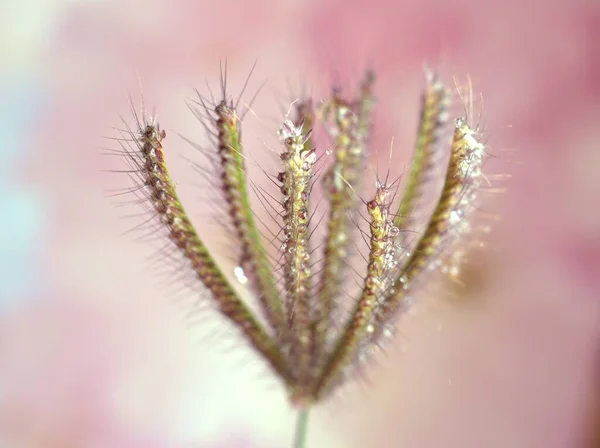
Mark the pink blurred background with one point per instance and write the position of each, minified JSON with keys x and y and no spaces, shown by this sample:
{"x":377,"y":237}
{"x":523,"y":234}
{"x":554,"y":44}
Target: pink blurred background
{"x":93,"y":353}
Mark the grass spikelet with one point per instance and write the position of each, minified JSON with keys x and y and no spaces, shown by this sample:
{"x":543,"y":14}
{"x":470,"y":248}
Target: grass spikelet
{"x":149,"y":153}
{"x":298,"y":162}
{"x":253,"y":256}
{"x":458,"y":194}
{"x":349,"y":123}
{"x":434,"y":116}
{"x":381,"y":257}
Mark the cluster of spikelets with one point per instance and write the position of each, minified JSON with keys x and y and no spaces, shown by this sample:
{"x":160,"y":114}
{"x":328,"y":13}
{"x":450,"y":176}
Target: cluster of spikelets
{"x":298,"y":331}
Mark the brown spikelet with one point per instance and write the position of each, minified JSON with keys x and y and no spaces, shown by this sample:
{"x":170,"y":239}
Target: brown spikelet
{"x":234,"y":184}
{"x":464,"y":169}
{"x":381,"y":253}
{"x":350,"y":127}
{"x":434,"y":115}
{"x":182,"y":233}
{"x":298,"y":162}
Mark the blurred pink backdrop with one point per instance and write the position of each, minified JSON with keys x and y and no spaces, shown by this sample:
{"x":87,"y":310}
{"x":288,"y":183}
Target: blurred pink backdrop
{"x":101,"y":357}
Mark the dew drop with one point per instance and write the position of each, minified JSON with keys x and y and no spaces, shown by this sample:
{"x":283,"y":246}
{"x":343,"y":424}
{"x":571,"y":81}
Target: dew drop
{"x":455,"y":217}
{"x":240,"y":275}
{"x":387,"y":332}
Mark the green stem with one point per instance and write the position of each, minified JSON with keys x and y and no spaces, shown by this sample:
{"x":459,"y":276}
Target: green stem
{"x":301,"y":429}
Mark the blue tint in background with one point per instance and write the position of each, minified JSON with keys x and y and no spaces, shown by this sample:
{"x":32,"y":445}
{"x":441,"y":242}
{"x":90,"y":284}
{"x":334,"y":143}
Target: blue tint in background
{"x":20,"y":209}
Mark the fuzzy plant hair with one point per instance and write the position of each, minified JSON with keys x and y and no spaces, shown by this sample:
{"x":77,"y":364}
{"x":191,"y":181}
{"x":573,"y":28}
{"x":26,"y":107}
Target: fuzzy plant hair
{"x":297,"y":330}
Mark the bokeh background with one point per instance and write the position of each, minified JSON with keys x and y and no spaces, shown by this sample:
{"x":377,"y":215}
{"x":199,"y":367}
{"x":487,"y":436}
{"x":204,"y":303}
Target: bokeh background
{"x":93,"y":353}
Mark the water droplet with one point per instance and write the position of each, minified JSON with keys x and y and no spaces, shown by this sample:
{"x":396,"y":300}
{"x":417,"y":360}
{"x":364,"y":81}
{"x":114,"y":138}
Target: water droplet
{"x":240,"y":275}
{"x":455,"y":217}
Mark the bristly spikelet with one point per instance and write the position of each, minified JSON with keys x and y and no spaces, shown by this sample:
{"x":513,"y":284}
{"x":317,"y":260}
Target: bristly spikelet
{"x":381,"y":259}
{"x":147,"y":150}
{"x":448,"y":219}
{"x":434,"y":116}
{"x":309,"y":350}
{"x":234,"y":184}
{"x":349,"y":123}
{"x":298,"y":162}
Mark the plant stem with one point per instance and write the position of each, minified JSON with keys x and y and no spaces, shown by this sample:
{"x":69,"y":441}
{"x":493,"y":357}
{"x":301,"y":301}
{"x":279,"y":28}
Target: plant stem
{"x":301,"y":429}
